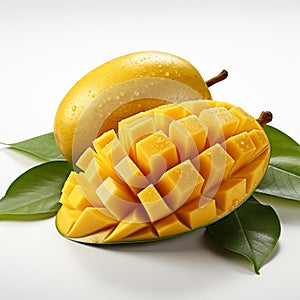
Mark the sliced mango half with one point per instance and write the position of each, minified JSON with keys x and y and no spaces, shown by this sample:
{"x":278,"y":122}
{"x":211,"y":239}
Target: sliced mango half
{"x":167,"y":171}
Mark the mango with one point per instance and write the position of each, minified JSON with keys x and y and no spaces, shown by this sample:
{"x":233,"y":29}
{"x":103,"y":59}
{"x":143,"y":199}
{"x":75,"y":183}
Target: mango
{"x":143,"y":64}
{"x":164,"y":172}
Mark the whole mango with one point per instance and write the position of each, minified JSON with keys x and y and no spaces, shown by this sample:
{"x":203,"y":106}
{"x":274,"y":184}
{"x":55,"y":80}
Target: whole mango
{"x":121,"y":69}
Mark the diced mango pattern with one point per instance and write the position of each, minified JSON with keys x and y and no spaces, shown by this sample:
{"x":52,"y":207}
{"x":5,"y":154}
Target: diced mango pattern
{"x":166,"y":171}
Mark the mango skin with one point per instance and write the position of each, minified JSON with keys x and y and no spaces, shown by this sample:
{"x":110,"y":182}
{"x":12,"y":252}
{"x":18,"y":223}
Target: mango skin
{"x":245,"y":149}
{"x":111,"y":73}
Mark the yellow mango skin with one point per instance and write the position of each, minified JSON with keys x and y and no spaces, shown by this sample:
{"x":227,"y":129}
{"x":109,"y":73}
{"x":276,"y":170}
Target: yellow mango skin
{"x":214,"y":181}
{"x":127,"y":67}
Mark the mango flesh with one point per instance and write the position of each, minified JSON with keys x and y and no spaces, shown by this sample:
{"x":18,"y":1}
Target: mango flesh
{"x":167,"y":171}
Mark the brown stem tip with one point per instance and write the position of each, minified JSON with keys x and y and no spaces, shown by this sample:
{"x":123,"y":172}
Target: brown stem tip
{"x":265,"y":118}
{"x":223,"y":75}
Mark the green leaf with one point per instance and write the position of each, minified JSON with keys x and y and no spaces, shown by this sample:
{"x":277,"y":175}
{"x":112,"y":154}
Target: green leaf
{"x":43,"y":146}
{"x":282,"y":178}
{"x":35,"y":194}
{"x":252,"y":230}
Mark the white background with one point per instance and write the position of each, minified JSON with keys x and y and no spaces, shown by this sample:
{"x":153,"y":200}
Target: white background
{"x":46,"y":46}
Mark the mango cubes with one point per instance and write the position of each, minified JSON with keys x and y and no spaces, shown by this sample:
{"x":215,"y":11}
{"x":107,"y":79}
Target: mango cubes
{"x":167,"y":171}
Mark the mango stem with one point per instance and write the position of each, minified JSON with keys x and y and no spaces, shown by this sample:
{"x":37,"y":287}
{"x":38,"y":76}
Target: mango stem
{"x":220,"y":77}
{"x":265,"y":118}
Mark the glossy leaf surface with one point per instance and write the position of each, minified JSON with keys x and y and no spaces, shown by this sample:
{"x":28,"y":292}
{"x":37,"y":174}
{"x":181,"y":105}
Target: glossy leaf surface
{"x":43,"y":146}
{"x":35,"y":193}
{"x":282,"y":178}
{"x":252,"y":230}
